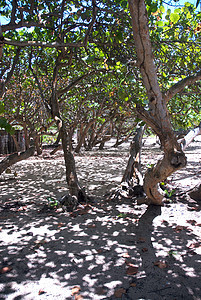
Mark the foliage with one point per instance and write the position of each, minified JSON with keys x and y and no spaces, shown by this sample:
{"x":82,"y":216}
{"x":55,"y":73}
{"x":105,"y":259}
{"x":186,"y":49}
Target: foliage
{"x":102,"y":52}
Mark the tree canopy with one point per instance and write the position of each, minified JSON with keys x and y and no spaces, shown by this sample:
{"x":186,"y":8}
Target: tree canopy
{"x":96,"y":67}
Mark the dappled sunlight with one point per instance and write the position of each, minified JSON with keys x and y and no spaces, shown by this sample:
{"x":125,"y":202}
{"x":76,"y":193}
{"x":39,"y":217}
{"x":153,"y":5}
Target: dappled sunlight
{"x":52,"y":251}
{"x":151,"y":252}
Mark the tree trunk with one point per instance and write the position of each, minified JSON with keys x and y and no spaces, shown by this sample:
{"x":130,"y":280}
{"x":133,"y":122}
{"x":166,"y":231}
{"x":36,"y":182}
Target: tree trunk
{"x":83,"y":135}
{"x":71,"y":175}
{"x":16,"y":143}
{"x":123,"y":140}
{"x":14,"y":158}
{"x":133,"y":169}
{"x":56,"y":149}
{"x":57,"y":139}
{"x":26,"y":135}
{"x":171,"y":162}
{"x":157,"y":116}
{"x":37,"y":144}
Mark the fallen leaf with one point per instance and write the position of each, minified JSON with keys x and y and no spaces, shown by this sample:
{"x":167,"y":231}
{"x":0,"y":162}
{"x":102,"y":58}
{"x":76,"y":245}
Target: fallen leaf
{"x":195,"y":245}
{"x":198,"y":225}
{"x":160,"y":264}
{"x":60,"y":224}
{"x":41,"y":292}
{"x":118,"y":293}
{"x":73,"y":215}
{"x":40,"y":242}
{"x":100,"y":251}
{"x":144,"y":249}
{"x":141,"y":240}
{"x":133,"y":284}
{"x":83,"y":212}
{"x":125,"y":255}
{"x":132,"y":270}
{"x":91,"y":226}
{"x":192,"y":222}
{"x":179,"y":228}
{"x":78,"y":297}
{"x":100,"y":291}
{"x":22,"y":208}
{"x":128,"y":262}
{"x":164,"y":222}
{"x":193,"y":208}
{"x":8,"y":171}
{"x":75,"y":290}
{"x":5,"y":269}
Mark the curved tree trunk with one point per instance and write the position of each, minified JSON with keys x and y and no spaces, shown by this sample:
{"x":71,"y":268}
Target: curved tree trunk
{"x":157,"y":116}
{"x":14,"y":158}
{"x":171,"y":162}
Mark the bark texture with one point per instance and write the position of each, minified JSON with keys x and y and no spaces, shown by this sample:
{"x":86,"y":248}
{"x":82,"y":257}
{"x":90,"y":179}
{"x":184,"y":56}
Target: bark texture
{"x":71,"y":175}
{"x":157,"y":116}
{"x":133,"y":169}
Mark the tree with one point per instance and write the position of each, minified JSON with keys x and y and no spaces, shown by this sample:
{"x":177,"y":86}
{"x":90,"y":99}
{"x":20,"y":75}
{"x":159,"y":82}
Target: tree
{"x":64,"y":31}
{"x":70,"y":45}
{"x":157,"y":116}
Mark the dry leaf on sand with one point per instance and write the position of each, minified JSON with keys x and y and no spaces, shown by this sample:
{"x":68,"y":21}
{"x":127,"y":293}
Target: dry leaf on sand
{"x":118,"y":293}
{"x":131,"y":270}
{"x":125,"y":255}
{"x":160,"y":264}
{"x":5,"y":270}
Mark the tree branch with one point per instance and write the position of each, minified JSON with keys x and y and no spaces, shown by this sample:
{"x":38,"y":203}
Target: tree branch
{"x":144,"y":51}
{"x":149,"y":120}
{"x":13,"y":13}
{"x":95,"y":9}
{"x":14,"y":158}
{"x":39,"y":85}
{"x":10,"y":73}
{"x":14,"y":26}
{"x":41,"y":44}
{"x":185,"y":142}
{"x":1,"y":41}
{"x":74,"y":83}
{"x":179,"y":86}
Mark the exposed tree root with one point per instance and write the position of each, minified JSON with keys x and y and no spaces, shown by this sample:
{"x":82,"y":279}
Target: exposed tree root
{"x":126,"y":191}
{"x":195,"y":193}
{"x":70,"y":203}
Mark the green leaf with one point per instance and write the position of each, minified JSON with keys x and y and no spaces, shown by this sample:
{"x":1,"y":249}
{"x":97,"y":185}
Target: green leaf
{"x":174,"y":17}
{"x":4,"y":124}
{"x":162,"y":9}
{"x":2,"y":108}
{"x":160,"y":23}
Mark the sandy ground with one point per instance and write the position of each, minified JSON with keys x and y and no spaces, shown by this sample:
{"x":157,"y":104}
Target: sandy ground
{"x":107,"y":249}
